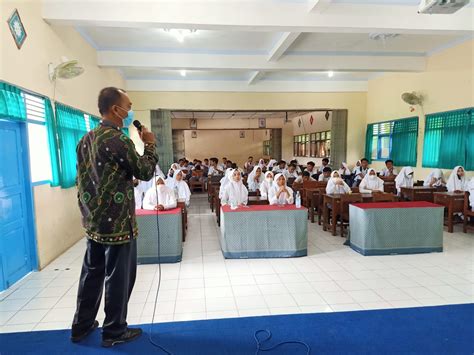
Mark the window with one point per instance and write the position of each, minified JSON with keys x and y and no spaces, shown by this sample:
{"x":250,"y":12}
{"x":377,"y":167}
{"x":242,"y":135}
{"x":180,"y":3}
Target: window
{"x":320,"y":144}
{"x":40,"y":160}
{"x":300,"y":145}
{"x":381,"y":140}
{"x":267,"y":148}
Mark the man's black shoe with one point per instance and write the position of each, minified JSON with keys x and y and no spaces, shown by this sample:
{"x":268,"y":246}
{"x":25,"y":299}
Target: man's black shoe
{"x":76,"y":338}
{"x":129,"y":335}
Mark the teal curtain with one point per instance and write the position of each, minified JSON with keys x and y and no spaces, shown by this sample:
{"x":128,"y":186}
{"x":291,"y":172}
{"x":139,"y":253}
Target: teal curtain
{"x":52,"y":140}
{"x":448,"y":139}
{"x":12,"y":103}
{"x":404,"y":142}
{"x":470,"y":144}
{"x":71,"y":128}
{"x":94,"y":121}
{"x":161,"y":127}
{"x":369,"y":135}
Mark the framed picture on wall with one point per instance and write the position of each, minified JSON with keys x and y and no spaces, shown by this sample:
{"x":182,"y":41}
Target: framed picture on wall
{"x":262,"y":122}
{"x":193,"y":123}
{"x":242,"y":134}
{"x":17,"y":29}
{"x":194,"y":134}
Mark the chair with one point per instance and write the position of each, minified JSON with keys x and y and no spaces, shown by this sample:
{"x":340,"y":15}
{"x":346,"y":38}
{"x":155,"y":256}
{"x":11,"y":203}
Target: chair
{"x":468,"y":213}
{"x":346,"y":200}
{"x":197,"y":181}
{"x":355,"y":190}
{"x":419,"y":183}
{"x":310,"y":185}
{"x":290,"y":181}
{"x":383,"y":197}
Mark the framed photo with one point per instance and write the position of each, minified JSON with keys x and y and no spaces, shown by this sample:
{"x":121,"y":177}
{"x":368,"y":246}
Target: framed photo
{"x":194,"y":134}
{"x":262,"y":122}
{"x":193,"y":123}
{"x":242,"y":134}
{"x":17,"y":29}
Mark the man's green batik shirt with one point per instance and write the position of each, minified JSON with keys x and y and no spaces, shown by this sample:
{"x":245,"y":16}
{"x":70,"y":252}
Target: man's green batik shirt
{"x":106,"y":164}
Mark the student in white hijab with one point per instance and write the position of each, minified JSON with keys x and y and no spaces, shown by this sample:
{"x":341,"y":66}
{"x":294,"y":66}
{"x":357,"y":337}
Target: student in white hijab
{"x":255,"y":178}
{"x":138,"y":194}
{"x":271,"y":163}
{"x":235,"y":193}
{"x":371,"y":182}
{"x":174,"y":167}
{"x":344,"y":170}
{"x":435,"y":179}
{"x":160,"y":197}
{"x":266,"y":185}
{"x":470,"y":188}
{"x":279,"y":193}
{"x":179,"y":187}
{"x":261,"y":164}
{"x":404,"y":179}
{"x":225,"y":181}
{"x":457,"y":180}
{"x":336,"y":185}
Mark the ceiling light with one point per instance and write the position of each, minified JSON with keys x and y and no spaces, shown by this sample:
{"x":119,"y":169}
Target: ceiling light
{"x":182,"y":72}
{"x":330,"y":74}
{"x":382,"y":36}
{"x":179,"y":34}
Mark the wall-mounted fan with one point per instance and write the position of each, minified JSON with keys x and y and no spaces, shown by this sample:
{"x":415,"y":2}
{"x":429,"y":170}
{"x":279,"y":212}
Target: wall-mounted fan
{"x":67,"y":69}
{"x":412,"y":98}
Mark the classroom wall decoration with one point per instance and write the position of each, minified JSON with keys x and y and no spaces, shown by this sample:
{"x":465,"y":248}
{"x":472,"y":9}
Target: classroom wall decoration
{"x":262,"y":122}
{"x":17,"y":29}
{"x":194,"y":134}
{"x":242,"y":134}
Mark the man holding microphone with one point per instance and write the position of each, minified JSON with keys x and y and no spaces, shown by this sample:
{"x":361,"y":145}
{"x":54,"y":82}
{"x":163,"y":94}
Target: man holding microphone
{"x":106,"y":164}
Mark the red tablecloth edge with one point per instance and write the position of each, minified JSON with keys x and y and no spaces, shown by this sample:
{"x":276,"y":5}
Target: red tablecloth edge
{"x":410,"y":204}
{"x":254,"y":208}
{"x":153,"y":213}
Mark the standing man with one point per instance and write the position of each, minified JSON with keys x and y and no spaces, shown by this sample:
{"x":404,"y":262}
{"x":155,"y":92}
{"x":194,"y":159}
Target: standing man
{"x":106,"y":164}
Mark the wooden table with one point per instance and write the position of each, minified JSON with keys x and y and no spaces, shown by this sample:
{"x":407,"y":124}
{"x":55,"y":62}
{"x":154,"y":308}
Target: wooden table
{"x":334,"y":200}
{"x":184,"y":217}
{"x":389,"y":184}
{"x":453,"y":203}
{"x":257,"y":200}
{"x":315,"y":198}
{"x":418,"y":193}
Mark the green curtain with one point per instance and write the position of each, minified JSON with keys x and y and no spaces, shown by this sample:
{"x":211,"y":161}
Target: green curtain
{"x":161,"y":127}
{"x":404,"y":142}
{"x":369,"y":134}
{"x":448,"y":139}
{"x":12,"y":103}
{"x":71,"y":128}
{"x":52,"y":140}
{"x":94,"y":121}
{"x":470,"y":144}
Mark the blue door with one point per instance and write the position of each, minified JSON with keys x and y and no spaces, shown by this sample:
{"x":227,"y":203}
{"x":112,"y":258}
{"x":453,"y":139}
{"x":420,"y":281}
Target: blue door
{"x":17,"y":242}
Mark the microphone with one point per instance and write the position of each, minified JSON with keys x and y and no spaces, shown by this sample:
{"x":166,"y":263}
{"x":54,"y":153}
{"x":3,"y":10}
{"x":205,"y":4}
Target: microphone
{"x":137,"y":125}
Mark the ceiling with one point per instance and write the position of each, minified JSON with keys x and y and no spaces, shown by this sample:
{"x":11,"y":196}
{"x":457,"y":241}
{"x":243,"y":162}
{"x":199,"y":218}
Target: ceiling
{"x":201,"y":115}
{"x":260,"y":45}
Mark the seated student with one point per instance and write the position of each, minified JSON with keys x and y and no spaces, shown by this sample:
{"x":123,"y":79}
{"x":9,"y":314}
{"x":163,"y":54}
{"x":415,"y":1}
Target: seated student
{"x":271,"y":164}
{"x":179,"y":187}
{"x":266,"y":185}
{"x":160,"y":197}
{"x":261,"y":164}
{"x":371,"y":182}
{"x":435,"y":179}
{"x":325,"y":164}
{"x":248,"y":166}
{"x":255,"y":179}
{"x":214,"y":168}
{"x":389,"y":170}
{"x":138,"y":194}
{"x":280,"y":169}
{"x":228,"y":164}
{"x":336,"y":185}
{"x":303,"y":177}
{"x":457,"y":180}
{"x":295,"y":163}
{"x":174,"y":167}
{"x":224,"y":181}
{"x":206,"y":163}
{"x":344,"y":170}
{"x":280,"y":194}
{"x":235,"y":193}
{"x":223,"y":165}
{"x":290,"y":172}
{"x":326,"y":174}
{"x":311,"y":170}
{"x":360,"y":171}
{"x":470,"y":188}
{"x":404,"y":179}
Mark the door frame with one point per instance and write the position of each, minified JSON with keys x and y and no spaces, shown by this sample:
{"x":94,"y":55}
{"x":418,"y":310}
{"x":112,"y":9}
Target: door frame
{"x":30,"y":215}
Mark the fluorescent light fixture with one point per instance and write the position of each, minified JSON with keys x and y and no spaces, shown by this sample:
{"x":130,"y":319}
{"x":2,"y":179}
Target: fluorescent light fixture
{"x":182,"y":72}
{"x":330,"y":74}
{"x":179,"y":34}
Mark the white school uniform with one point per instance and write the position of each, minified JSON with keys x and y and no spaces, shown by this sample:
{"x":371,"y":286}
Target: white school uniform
{"x":283,"y":199}
{"x":360,"y":170}
{"x":470,"y":187}
{"x":386,"y":173}
{"x":288,"y":175}
{"x":266,"y":184}
{"x":252,"y":182}
{"x":403,"y":179}
{"x":234,"y":192}
{"x":322,"y":178}
{"x":333,"y":188}
{"x":436,"y":174}
{"x":299,"y":179}
{"x":344,"y":170}
{"x":371,"y":183}
{"x":455,"y":183}
{"x":164,"y":197}
{"x":180,"y":188}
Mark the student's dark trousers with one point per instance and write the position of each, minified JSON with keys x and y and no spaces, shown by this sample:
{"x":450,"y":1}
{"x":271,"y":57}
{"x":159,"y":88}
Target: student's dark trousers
{"x":117,"y":266}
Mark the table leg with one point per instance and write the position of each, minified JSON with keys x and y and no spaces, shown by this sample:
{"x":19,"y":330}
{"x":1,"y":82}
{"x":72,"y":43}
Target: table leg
{"x":450,"y":217}
{"x":335,"y":212}
{"x":311,"y":210}
{"x":325,"y":216}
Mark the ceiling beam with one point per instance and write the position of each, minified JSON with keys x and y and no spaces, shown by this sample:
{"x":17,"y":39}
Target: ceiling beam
{"x":241,"y":86}
{"x":177,"y":61}
{"x":319,"y":6}
{"x":285,"y":41}
{"x":255,"y":16}
{"x":256,"y":76}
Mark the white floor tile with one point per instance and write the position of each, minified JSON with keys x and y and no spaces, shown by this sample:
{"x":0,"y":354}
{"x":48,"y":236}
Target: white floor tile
{"x":254,"y":312}
{"x":277,"y":301}
{"x":246,"y":290}
{"x":179,"y":317}
{"x":225,"y":291}
{"x":52,"y":326}
{"x":14,"y":328}
{"x":250,"y":302}
{"x":284,"y":310}
{"x":337,"y":297}
{"x":376,"y":305}
{"x":345,"y":307}
{"x":321,"y":308}
{"x":5,"y":316}
{"x":273,"y":289}
{"x":220,"y":304}
{"x":309,"y":299}
{"x":393,"y":294}
{"x":190,"y":306}
{"x":325,"y":286}
{"x":222,"y":314}
{"x":190,"y":294}
{"x":41,"y":303}
{"x":28,"y":317}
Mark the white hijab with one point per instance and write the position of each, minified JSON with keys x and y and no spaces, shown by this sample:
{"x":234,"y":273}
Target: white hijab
{"x":252,"y":184}
{"x":284,"y":199}
{"x":266,"y":184}
{"x":235,"y":191}
{"x":180,"y":186}
{"x":174,"y":167}
{"x":470,"y":188}
{"x":372,"y":182}
{"x":455,"y":183}
{"x":333,"y":188}
{"x":403,"y":179}
{"x":225,"y":181}
{"x":345,"y":170}
{"x":271,"y":163}
{"x":159,"y":195}
{"x":438,"y":175}
{"x":261,"y":164}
